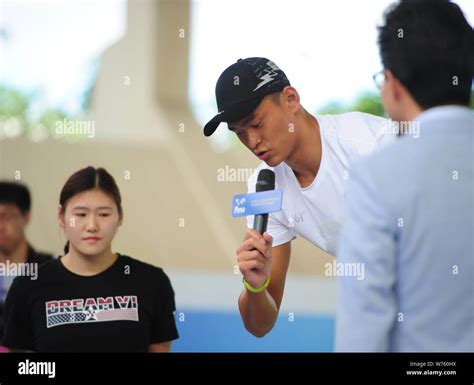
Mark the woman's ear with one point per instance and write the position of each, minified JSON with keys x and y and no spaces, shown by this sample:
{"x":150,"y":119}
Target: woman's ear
{"x":61,"y":217}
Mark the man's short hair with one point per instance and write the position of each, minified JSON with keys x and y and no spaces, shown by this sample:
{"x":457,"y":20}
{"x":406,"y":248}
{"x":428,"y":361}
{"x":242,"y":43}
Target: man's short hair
{"x":17,"y":194}
{"x":428,"y":45}
{"x":275,"y":97}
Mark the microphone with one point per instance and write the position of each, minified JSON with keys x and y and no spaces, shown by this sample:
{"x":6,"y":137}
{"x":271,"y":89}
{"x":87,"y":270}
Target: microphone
{"x":265,"y":182}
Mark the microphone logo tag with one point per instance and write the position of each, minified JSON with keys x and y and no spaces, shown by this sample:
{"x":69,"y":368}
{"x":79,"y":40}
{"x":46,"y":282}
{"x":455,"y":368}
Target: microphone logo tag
{"x":257,"y":203}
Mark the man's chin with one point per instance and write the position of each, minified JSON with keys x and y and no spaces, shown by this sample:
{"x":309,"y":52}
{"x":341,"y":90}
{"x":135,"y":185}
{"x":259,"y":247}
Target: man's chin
{"x":272,"y":162}
{"x":6,"y":249}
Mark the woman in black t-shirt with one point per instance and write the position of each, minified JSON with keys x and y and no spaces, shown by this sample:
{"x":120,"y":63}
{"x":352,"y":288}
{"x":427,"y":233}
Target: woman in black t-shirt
{"x":91,"y":299}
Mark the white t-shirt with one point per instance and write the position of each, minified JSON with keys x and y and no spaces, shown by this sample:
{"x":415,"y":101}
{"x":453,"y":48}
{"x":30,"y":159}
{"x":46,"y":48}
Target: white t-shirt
{"x":315,"y":212}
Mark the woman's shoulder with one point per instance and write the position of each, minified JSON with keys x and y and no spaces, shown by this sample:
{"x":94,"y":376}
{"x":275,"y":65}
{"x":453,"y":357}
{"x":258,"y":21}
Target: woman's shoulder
{"x":141,"y":267}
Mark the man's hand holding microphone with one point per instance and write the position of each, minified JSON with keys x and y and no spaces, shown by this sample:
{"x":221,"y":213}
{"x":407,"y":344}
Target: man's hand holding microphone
{"x":257,"y":306}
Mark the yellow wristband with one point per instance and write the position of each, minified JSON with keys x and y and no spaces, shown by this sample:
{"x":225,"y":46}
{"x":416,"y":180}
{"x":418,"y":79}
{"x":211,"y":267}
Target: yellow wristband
{"x":252,"y":289}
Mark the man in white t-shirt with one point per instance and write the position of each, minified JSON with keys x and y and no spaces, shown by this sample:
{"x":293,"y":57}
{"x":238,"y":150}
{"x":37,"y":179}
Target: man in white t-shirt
{"x":310,"y":157}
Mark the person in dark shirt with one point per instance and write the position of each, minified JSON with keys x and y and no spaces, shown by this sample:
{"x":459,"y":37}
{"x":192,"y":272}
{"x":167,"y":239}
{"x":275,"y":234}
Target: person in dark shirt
{"x":15,"y":250}
{"x":91,"y":299}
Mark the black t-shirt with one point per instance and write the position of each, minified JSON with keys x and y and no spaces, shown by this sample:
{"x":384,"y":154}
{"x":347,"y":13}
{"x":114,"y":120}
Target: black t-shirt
{"x":122,"y":309}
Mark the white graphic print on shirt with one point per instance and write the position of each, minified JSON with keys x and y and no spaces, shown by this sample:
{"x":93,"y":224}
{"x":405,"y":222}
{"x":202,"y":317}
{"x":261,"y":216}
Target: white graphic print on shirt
{"x":72,"y":311}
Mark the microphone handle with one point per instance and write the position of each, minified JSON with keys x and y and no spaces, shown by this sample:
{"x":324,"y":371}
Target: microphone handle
{"x":260,"y":223}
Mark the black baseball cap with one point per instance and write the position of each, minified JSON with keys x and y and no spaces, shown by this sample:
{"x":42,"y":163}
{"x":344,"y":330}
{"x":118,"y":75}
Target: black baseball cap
{"x":241,"y":88}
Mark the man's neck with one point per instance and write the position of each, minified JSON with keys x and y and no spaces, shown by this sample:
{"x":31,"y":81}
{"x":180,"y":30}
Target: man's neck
{"x":411,"y":110}
{"x":18,"y":255}
{"x":412,"y":115}
{"x":88,"y":265}
{"x":306,"y":157}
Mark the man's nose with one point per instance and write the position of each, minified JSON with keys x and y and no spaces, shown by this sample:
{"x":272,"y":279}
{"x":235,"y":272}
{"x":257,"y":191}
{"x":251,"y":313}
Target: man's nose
{"x":254,"y":140}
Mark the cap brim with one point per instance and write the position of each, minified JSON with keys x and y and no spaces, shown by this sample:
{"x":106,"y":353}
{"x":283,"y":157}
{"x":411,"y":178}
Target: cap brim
{"x":232,"y":114}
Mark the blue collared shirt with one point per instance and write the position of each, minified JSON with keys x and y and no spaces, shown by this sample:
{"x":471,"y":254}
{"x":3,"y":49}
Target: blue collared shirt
{"x":409,"y":224}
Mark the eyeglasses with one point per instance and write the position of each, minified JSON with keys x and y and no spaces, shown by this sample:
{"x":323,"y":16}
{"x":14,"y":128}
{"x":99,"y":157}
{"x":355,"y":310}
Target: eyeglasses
{"x":379,"y":79}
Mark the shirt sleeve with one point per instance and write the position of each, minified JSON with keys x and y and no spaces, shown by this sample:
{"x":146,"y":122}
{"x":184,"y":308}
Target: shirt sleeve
{"x":164,"y":325}
{"x":17,"y":326}
{"x":367,"y":306}
{"x":280,"y":233}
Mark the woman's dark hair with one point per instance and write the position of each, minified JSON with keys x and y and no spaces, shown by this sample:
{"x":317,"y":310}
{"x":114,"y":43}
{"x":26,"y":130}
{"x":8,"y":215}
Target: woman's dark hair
{"x":90,"y":178}
{"x":428,"y":45}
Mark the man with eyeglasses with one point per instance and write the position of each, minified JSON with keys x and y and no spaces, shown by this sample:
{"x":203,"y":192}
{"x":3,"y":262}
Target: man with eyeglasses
{"x":410,"y":207}
{"x":15,"y":214}
{"x":310,"y":155}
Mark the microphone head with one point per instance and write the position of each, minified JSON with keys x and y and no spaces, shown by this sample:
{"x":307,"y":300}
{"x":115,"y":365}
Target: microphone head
{"x":265,"y":180}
